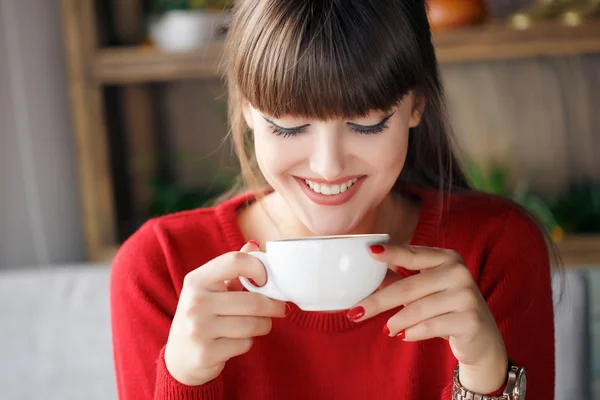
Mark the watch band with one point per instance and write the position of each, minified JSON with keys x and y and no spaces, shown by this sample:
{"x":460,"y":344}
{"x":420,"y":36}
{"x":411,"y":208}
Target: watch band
{"x":511,"y":392}
{"x":460,"y":393}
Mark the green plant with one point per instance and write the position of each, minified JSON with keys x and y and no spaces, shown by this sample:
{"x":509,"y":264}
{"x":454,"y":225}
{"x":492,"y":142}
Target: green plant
{"x":162,"y":6}
{"x":578,"y":209}
{"x":170,"y":197}
{"x":497,"y":179}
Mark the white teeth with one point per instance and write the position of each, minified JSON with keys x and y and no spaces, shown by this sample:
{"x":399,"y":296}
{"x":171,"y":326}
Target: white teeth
{"x":330,"y":190}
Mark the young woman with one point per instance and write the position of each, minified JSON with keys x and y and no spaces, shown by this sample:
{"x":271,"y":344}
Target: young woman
{"x":341,"y":104}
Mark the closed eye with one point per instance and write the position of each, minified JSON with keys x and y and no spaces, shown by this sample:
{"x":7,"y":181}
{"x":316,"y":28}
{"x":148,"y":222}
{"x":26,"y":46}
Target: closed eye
{"x":357,"y":128}
{"x":285,"y":132}
{"x":370,"y":129}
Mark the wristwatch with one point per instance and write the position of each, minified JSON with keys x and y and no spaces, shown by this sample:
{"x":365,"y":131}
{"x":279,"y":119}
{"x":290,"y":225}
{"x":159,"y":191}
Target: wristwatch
{"x":516,"y":386}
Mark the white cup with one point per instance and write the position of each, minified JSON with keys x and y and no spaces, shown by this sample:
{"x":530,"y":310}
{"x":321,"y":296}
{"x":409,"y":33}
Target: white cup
{"x":321,"y":273}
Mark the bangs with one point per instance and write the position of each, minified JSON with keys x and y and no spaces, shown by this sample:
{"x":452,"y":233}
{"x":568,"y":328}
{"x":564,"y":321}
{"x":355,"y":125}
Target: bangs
{"x":325,"y":59}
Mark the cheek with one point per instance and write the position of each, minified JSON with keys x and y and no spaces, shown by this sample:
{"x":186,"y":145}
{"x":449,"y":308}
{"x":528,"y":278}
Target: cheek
{"x":388,"y":154}
{"x":276,"y":155}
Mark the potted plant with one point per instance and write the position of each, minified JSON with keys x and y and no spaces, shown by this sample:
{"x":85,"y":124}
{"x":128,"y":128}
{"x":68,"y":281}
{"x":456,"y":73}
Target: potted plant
{"x":184,"y":25}
{"x":498,"y":179}
{"x":452,"y":14}
{"x":578,"y":209}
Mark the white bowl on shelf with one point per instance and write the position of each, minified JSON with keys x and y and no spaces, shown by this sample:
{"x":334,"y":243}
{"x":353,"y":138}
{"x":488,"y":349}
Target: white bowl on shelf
{"x":186,"y":30}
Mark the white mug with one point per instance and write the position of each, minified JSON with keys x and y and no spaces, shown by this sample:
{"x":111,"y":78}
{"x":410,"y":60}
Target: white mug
{"x":321,"y":273}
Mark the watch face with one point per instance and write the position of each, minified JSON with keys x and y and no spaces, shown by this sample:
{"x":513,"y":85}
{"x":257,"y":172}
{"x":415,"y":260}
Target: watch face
{"x":521,"y":385}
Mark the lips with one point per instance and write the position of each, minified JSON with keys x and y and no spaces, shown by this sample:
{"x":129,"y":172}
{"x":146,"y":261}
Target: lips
{"x":330,"y":189}
{"x":330,"y":193}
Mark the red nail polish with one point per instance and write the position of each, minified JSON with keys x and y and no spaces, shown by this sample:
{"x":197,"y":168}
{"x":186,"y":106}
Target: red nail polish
{"x":254,"y":242}
{"x":377,"y":249}
{"x":252,"y":282}
{"x":356,"y":313}
{"x":386,"y":330}
{"x":400,"y":335}
{"x":288,"y":309}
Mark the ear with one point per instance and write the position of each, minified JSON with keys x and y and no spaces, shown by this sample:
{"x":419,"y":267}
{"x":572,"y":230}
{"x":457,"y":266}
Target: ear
{"x":246,"y":110}
{"x":417,"y":112}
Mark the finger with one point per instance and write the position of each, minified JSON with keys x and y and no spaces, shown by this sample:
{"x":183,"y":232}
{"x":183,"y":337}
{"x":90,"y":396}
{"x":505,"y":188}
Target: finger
{"x":390,"y":278}
{"x":430,"y":307}
{"x":248,"y":304}
{"x":223,"y":349}
{"x":403,"y":292}
{"x":251,"y":245}
{"x":240,"y":327}
{"x":235,"y":285}
{"x":229,"y":266}
{"x":413,"y":257}
{"x":442,"y":326}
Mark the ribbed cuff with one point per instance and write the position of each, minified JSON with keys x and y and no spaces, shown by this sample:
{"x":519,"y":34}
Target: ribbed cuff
{"x":168,"y":388}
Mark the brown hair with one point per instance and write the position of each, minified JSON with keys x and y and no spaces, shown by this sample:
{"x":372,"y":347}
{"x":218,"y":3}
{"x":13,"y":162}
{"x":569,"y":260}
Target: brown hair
{"x":339,"y":59}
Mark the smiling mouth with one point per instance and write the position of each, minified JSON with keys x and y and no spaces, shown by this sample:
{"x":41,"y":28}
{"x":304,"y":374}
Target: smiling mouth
{"x":330,"y":190}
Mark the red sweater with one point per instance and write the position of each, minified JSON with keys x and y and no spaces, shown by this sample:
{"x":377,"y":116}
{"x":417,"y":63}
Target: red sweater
{"x":311,"y":355}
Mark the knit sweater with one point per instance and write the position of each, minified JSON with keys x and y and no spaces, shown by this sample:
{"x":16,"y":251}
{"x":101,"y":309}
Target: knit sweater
{"x":311,"y":355}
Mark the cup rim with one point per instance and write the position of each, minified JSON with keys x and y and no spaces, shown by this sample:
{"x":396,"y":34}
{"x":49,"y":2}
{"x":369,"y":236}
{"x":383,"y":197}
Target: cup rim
{"x":382,"y":236}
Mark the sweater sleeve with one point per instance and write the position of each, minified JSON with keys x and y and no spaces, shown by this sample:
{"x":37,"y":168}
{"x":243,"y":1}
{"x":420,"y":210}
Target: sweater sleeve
{"x":143,"y":301}
{"x":515,"y":280}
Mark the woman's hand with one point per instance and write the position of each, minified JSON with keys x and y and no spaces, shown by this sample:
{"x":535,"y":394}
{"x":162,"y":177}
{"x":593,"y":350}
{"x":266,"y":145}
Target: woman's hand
{"x":442,"y":301}
{"x":215,"y":320}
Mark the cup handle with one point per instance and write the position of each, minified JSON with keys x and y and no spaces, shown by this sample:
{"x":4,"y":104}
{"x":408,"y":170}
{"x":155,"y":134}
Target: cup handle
{"x":269,"y":289}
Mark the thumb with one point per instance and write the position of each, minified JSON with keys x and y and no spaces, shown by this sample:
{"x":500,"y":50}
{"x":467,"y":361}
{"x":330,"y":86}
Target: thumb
{"x":235,"y":285}
{"x":251,"y":245}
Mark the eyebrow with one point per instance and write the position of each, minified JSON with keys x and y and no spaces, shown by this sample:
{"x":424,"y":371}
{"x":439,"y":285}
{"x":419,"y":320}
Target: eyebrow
{"x":377,"y":125}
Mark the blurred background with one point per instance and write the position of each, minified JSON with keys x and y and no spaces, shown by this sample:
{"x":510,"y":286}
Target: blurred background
{"x":114,"y":111}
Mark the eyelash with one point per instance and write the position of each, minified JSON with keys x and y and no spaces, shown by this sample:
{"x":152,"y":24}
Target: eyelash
{"x":279,"y":131}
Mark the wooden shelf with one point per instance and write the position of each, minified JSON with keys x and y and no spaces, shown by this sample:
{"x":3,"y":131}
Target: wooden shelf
{"x":497,"y":41}
{"x":581,"y":250}
{"x":489,"y":42}
{"x":149,"y":64}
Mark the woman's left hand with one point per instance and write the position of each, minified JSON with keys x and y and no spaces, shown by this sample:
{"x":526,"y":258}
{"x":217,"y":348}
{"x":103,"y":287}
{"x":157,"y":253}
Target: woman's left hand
{"x":442,"y":301}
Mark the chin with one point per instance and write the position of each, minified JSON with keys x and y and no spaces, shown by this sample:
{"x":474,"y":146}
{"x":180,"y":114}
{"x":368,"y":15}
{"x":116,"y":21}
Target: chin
{"x":332,"y":228}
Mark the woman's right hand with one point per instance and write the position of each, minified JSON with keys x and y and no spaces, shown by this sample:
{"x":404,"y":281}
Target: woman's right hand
{"x":215,"y":319}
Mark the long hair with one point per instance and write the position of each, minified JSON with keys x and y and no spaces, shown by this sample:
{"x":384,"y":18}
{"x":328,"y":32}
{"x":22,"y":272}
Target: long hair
{"x":339,"y":59}
{"x":324,"y":59}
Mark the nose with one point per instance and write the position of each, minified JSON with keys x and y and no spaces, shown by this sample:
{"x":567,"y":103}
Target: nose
{"x":327,"y":158}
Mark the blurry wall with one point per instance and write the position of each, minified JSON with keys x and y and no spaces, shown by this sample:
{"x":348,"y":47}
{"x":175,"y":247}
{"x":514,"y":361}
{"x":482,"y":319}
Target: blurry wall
{"x":539,"y":115}
{"x":39,"y":209}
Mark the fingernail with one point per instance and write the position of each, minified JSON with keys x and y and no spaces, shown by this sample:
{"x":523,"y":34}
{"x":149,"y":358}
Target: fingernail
{"x":254,"y":242}
{"x":377,"y":249}
{"x":356,"y":313}
{"x":288,"y":309}
{"x":400,"y":335}
{"x":386,"y":330}
{"x":252,"y":282}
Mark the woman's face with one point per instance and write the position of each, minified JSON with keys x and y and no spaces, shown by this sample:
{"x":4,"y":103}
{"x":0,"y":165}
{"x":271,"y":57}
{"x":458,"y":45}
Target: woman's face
{"x":333,"y":174}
